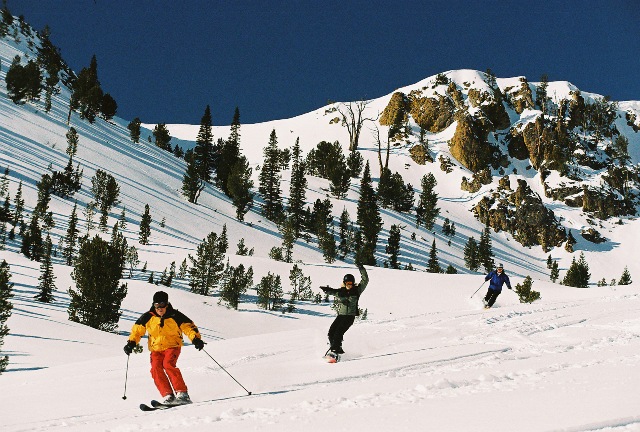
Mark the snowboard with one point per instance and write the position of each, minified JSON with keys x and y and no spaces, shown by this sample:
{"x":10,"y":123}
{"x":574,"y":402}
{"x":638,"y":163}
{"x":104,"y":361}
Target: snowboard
{"x":332,"y":357}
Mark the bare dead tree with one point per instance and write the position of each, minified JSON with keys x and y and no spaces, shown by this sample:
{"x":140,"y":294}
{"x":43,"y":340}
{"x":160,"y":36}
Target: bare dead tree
{"x":376,"y":135}
{"x":353,"y":119}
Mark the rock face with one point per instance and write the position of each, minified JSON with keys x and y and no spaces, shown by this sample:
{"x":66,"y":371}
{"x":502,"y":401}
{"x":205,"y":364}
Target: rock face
{"x":523,"y":214}
{"x":469,"y":143}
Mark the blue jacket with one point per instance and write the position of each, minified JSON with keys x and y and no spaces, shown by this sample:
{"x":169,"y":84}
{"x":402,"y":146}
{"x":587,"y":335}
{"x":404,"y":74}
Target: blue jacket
{"x":497,"y":280}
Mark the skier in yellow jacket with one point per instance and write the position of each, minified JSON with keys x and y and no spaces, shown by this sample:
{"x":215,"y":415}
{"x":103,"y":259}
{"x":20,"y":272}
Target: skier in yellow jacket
{"x":165,"y":326}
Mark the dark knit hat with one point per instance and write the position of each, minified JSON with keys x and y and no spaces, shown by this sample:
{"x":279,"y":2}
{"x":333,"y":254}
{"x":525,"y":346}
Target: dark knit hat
{"x":349,"y":278}
{"x":161,"y":297}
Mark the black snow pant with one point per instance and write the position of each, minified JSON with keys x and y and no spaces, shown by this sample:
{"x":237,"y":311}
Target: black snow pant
{"x":491,"y":297}
{"x":338,"y":328}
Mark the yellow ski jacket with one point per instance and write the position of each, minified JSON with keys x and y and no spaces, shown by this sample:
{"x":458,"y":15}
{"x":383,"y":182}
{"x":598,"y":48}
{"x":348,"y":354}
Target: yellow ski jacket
{"x":164,"y":332}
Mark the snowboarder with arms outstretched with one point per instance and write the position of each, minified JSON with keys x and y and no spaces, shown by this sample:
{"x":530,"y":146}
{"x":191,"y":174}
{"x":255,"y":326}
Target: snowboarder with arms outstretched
{"x":165,"y":326}
{"x":347,"y":302}
{"x":497,"y":278}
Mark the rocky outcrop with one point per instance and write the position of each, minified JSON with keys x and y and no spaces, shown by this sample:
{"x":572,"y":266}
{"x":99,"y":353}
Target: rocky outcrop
{"x":469,"y":143}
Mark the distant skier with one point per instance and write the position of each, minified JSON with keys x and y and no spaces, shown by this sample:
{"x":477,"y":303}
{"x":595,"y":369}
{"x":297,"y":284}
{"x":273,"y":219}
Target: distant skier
{"x":497,"y":278}
{"x":347,"y":300}
{"x":165,"y":326}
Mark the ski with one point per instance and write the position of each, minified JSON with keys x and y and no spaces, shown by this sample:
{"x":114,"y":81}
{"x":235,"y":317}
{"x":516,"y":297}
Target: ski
{"x":157,"y":405}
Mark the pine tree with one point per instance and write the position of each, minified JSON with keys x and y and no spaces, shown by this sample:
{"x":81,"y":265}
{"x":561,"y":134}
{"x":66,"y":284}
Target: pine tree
{"x":625,"y":279}
{"x":471,"y":260}
{"x":145,"y":226}
{"x":72,"y":141}
{"x":98,"y":295}
{"x":5,"y":307}
{"x":555,"y":272}
{"x":242,"y":249}
{"x":426,"y":211}
{"x":203,"y":151}
{"x":345,"y":234}
{"x":270,"y":180}
{"x":270,"y":294}
{"x":433,"y":266}
{"x":89,"y":211}
{"x":182,"y":271}
{"x":239,"y":187}
{"x":134,"y":129}
{"x":525,"y":293}
{"x":297,"y":190}
{"x":18,"y":203}
{"x":119,"y":245}
{"x":86,"y":93}
{"x":578,"y":274}
{"x":485,"y":252}
{"x":162,"y":137}
{"x":229,"y":155}
{"x":208,"y":265}
{"x":451,"y":270}
{"x":23,"y":82}
{"x":549,"y":262}
{"x":541,"y":94}
{"x":132,"y":259}
{"x":300,"y":284}
{"x":235,"y":282}
{"x":327,"y":243}
{"x":32,"y":243}
{"x":46,"y":280}
{"x":172,"y":273}
{"x":369,"y":220}
{"x":393,"y":246}
{"x":192,"y":184}
{"x":71,"y":238}
{"x":106,"y":192}
{"x":287,"y":230}
{"x":108,"y":107}
{"x":122,"y":220}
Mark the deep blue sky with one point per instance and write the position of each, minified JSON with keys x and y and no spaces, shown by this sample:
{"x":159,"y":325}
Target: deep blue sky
{"x":165,"y":60}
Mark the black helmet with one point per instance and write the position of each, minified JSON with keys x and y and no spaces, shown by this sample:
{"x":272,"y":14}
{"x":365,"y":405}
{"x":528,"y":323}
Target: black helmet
{"x":348,"y":278}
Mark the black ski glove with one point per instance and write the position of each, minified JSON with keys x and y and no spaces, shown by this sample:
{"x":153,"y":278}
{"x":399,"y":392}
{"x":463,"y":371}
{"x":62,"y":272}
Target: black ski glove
{"x":197,"y":342}
{"x":128,"y":348}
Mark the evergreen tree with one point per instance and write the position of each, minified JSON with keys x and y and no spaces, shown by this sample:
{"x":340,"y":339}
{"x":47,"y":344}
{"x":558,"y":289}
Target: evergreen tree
{"x":541,"y":94}
{"x":46,"y":284}
{"x":427,"y":212}
{"x":270,"y":180}
{"x":145,"y":226}
{"x":451,"y":270}
{"x":182,"y":271}
{"x":208,"y":265}
{"x":132,"y":259}
{"x":203,"y":151}
{"x":71,"y":238}
{"x":18,"y":203}
{"x":134,"y":129}
{"x":32,"y":243}
{"x":192,"y":184}
{"x":345,"y":234}
{"x":235,"y":282}
{"x":72,"y":141}
{"x":287,"y":230}
{"x":270,"y":294}
{"x":229,"y":155}
{"x":297,"y":190}
{"x":327,"y":243}
{"x":162,"y":137}
{"x":485,"y":252}
{"x":242,"y":249}
{"x":300,"y":284}
{"x":369,"y":220}
{"x":355,"y":163}
{"x":5,"y":307}
{"x":106,"y":192}
{"x":555,"y":272}
{"x":393,"y":246}
{"x":471,"y":260}
{"x":433,"y":266}
{"x":446,"y":227}
{"x":549,"y":262}
{"x":23,"y":82}
{"x":168,"y":278}
{"x":88,"y":212}
{"x":108,"y":107}
{"x":122,"y":220}
{"x":578,"y":274}
{"x":98,"y":295}
{"x":119,"y":245}
{"x":525,"y":293}
{"x":239,"y":187}
{"x":86,"y":93}
{"x":625,"y":279}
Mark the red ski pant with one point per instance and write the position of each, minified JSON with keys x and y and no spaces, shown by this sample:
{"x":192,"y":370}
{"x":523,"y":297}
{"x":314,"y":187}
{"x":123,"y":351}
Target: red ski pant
{"x":165,"y":373}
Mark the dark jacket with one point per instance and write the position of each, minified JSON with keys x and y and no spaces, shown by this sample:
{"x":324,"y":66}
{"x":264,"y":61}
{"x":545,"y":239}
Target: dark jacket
{"x":497,"y":280}
{"x":347,"y":299}
{"x":166,"y":331}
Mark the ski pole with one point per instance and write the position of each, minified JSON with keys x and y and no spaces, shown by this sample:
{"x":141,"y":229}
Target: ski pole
{"x":205,"y":351}
{"x":126,"y":375}
{"x":474,"y":293}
